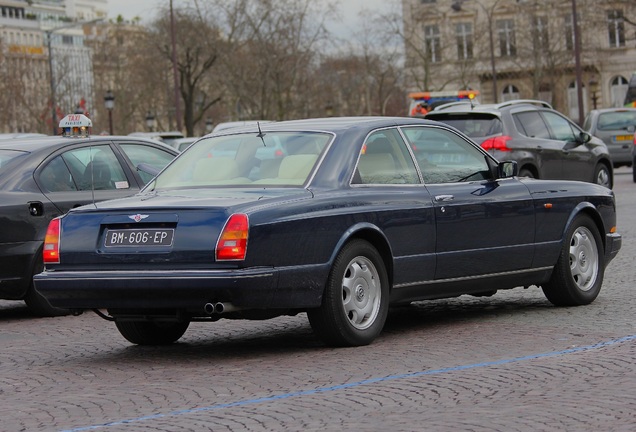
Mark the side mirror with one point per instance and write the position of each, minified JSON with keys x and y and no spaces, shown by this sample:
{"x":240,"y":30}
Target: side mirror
{"x":584,"y":137}
{"x":507,"y":169}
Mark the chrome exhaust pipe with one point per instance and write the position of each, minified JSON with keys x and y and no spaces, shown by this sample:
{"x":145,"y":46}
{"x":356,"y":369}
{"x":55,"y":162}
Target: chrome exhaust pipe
{"x":209,"y":308}
{"x":219,"y":308}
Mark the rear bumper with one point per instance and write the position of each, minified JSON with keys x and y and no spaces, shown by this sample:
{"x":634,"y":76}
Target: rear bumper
{"x":613,"y":244}
{"x":186,"y":290}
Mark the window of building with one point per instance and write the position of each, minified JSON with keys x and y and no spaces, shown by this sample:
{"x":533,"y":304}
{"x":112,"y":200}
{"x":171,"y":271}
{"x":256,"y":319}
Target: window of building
{"x":569,"y":33}
{"x":433,"y":44}
{"x":616,"y":28}
{"x":67,"y":40}
{"x":545,"y":92}
{"x":428,"y":1}
{"x":506,"y":33}
{"x":509,"y":92}
{"x":618,"y":90}
{"x":540,"y":33}
{"x":464,"y":33}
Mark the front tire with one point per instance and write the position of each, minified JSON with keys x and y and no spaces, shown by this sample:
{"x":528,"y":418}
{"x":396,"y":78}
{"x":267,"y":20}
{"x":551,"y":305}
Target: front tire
{"x":355,"y":303}
{"x":525,"y":172}
{"x":578,"y":274}
{"x":152,"y":333}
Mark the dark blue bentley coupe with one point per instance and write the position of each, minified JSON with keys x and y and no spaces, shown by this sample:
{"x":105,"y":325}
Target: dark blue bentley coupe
{"x":347,"y":217}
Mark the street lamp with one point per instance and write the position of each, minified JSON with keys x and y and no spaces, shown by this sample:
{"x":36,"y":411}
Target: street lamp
{"x":49,"y":34}
{"x":109,"y":103}
{"x":457,"y":6}
{"x":593,"y":89}
{"x":150,"y":121}
{"x":209,"y":125}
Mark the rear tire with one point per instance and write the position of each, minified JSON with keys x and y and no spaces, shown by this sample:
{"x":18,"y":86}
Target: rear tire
{"x":578,"y":275}
{"x":355,"y":303}
{"x":602,"y":176}
{"x":525,"y":172}
{"x":152,"y":333}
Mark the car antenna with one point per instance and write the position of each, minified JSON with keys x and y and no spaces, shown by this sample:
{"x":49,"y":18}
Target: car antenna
{"x":92,"y":176}
{"x":260,"y":133}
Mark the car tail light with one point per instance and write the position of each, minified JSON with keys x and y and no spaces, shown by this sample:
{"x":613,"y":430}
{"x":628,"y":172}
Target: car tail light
{"x":51,"y":250}
{"x":497,"y":143}
{"x":232,"y":244}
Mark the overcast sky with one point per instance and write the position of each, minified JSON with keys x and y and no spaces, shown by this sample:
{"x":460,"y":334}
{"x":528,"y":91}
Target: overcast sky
{"x":349,"y":9}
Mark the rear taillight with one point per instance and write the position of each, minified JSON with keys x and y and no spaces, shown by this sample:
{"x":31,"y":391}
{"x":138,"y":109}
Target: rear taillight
{"x":232,"y":244}
{"x":51,"y":250}
{"x":496,"y":143}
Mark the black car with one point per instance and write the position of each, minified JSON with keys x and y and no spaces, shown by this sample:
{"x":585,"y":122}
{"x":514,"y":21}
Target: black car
{"x":44,"y":177}
{"x":349,"y":221}
{"x":544,"y":143}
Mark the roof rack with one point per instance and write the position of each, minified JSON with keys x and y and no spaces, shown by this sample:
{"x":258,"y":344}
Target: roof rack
{"x":452,"y":104}
{"x":524,"y":101}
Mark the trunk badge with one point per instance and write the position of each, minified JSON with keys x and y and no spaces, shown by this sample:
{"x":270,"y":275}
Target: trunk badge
{"x":138,"y":217}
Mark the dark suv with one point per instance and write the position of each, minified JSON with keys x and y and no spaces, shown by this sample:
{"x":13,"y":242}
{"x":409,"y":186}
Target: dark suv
{"x":545,"y":144}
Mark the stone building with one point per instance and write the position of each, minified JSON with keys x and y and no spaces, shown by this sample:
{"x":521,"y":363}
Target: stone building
{"x":523,"y":49}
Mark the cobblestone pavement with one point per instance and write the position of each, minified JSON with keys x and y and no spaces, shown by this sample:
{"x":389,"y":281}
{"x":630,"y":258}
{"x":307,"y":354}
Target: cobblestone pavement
{"x":511,"y":362}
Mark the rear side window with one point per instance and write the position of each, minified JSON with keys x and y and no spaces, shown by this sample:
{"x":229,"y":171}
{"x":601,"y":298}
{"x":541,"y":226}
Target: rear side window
{"x":531,"y":124}
{"x":475,"y":125}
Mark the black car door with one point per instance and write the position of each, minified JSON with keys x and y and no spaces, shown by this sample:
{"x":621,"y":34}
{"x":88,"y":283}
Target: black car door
{"x":483,"y":225}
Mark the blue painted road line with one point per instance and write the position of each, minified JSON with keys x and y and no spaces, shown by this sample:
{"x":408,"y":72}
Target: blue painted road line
{"x":354,"y":384}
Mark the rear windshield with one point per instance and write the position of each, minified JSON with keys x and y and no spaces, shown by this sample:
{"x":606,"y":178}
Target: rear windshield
{"x":9,"y":155}
{"x":246,"y":160}
{"x":475,"y":125}
{"x":617,"y":120}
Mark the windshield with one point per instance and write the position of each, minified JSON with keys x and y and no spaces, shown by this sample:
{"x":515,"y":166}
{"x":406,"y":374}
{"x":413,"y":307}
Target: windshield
{"x":275,"y":158}
{"x":617,"y":120}
{"x":475,"y":125}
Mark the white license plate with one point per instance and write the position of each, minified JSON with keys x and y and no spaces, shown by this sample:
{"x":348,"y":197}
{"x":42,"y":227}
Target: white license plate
{"x":139,"y":237}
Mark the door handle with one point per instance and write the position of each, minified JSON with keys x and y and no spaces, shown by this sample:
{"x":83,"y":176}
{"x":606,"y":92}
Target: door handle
{"x":444,"y":198}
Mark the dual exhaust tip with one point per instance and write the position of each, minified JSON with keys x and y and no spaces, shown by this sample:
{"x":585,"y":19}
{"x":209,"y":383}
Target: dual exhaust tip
{"x":214,"y":308}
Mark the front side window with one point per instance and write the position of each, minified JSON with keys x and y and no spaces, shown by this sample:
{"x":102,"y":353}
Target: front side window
{"x":246,"y":159}
{"x":385,"y":159}
{"x":433,"y":43}
{"x":444,"y":157}
{"x":506,"y":32}
{"x":561,"y":129}
{"x":616,"y":28}
{"x":464,"y":33}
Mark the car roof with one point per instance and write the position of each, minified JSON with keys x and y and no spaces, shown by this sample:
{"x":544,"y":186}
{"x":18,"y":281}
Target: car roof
{"x":32,"y":144}
{"x":329,"y":124}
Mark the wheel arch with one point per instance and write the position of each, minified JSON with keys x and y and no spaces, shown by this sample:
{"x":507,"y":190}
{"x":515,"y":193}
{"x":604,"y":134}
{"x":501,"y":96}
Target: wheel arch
{"x":530,"y":167}
{"x":586,"y":208}
{"x":373,"y":235}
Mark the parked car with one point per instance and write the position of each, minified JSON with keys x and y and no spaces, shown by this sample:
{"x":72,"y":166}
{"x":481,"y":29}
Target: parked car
{"x":544,"y":143}
{"x":44,"y":177}
{"x":234,"y":124}
{"x":615,"y":126}
{"x":5,"y":136}
{"x":634,"y":158}
{"x":183,"y":143}
{"x":168,"y":138}
{"x":349,"y":222}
